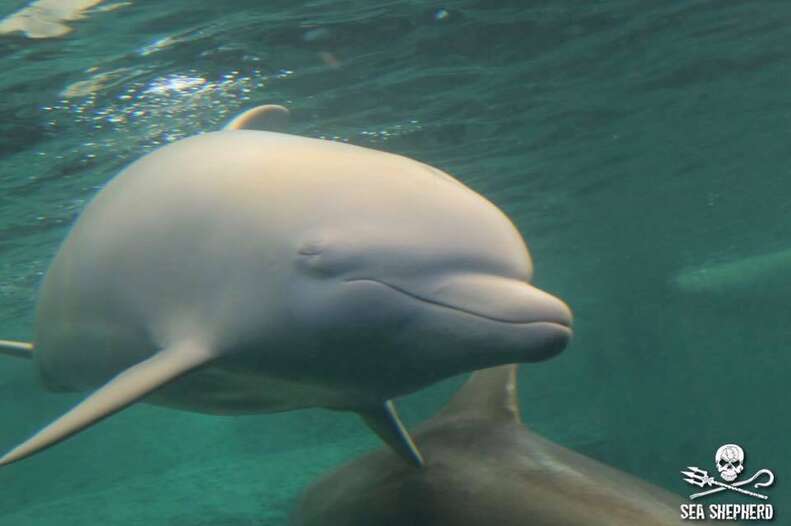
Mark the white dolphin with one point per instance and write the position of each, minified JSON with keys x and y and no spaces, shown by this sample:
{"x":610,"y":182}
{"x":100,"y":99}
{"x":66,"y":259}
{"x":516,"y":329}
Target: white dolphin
{"x":759,"y":276}
{"x":46,"y":18}
{"x":247,"y":271}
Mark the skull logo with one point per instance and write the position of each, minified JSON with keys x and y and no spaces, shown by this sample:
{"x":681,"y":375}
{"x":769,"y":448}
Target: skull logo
{"x":730,"y":461}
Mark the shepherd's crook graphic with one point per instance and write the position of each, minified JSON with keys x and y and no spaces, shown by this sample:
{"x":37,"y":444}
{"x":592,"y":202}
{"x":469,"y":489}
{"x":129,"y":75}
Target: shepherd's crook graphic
{"x":701,"y":478}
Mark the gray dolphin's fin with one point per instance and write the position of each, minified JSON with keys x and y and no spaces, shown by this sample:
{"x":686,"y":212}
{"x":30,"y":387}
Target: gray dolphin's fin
{"x":488,"y":393}
{"x":126,"y":388}
{"x":16,"y":349}
{"x":269,"y":117}
{"x":384,"y":421}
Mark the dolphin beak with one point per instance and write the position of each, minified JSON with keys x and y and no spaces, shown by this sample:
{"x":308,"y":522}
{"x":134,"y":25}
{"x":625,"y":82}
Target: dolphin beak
{"x":527,"y":324}
{"x":500,"y":299}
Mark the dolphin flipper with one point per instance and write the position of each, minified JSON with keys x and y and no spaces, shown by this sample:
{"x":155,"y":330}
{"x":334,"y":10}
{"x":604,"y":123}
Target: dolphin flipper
{"x":269,"y":117}
{"x":120,"y":392}
{"x":16,"y":349}
{"x":384,"y":421}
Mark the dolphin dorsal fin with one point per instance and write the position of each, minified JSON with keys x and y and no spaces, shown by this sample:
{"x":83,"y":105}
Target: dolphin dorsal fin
{"x":269,"y":117}
{"x":488,"y":393}
{"x":128,"y":387}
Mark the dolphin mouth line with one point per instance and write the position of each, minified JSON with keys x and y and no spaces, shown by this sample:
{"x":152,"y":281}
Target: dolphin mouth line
{"x":453,"y":307}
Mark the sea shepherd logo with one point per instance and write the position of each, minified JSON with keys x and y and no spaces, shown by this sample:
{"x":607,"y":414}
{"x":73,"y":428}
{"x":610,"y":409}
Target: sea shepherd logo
{"x":729,"y":460}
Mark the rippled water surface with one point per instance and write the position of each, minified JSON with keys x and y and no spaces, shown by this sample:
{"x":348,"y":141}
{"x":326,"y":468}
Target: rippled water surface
{"x":641,"y":147}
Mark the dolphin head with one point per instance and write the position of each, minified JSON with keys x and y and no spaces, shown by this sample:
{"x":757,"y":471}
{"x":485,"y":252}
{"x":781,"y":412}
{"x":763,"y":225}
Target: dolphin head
{"x":420,"y":279}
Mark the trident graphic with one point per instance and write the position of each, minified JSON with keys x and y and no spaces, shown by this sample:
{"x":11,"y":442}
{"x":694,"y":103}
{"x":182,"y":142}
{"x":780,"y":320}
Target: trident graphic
{"x":700,"y":477}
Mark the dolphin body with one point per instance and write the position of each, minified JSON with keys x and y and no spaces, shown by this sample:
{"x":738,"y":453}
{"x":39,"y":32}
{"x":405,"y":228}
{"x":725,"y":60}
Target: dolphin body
{"x":249,"y":271}
{"x":484,"y":467}
{"x":46,"y":18}
{"x":759,"y":276}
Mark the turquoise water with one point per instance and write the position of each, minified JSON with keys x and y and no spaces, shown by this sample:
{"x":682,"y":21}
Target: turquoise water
{"x":642,"y":148}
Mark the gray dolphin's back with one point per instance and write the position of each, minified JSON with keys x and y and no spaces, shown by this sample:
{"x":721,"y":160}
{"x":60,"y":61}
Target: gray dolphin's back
{"x":482,"y":471}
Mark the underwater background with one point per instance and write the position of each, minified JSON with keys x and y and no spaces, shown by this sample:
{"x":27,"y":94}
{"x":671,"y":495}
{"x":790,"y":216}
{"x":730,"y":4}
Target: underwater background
{"x":642,"y":148}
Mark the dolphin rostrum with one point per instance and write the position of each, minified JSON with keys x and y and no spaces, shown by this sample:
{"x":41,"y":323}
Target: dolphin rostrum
{"x":248,"y":271}
{"x":484,"y":467}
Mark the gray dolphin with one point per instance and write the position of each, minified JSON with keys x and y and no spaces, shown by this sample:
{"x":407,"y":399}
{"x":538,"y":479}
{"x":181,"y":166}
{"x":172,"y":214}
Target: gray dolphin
{"x":247,"y":271}
{"x":484,"y":467}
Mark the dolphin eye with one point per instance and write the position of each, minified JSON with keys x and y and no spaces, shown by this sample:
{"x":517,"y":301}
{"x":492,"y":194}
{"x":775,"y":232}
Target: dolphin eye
{"x":311,"y":248}
{"x":322,"y":258}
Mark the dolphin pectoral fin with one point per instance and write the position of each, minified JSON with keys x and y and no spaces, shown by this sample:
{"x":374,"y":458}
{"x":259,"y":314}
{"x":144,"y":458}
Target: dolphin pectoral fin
{"x":16,"y":349}
{"x":269,"y":117}
{"x":123,"y":390}
{"x":384,"y":421}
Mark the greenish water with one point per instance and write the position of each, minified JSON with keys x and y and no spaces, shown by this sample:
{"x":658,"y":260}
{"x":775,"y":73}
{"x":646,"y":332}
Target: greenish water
{"x":633,"y":143}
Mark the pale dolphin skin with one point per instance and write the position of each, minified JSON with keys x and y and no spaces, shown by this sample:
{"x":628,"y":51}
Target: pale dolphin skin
{"x":46,"y":18}
{"x":484,"y":467}
{"x":246,"y":271}
{"x":757,"y":276}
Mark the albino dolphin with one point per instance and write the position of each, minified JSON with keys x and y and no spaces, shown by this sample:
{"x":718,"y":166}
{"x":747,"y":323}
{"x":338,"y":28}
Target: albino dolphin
{"x":759,"y":276}
{"x":484,"y":467}
{"x":46,"y":18}
{"x":246,"y":271}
